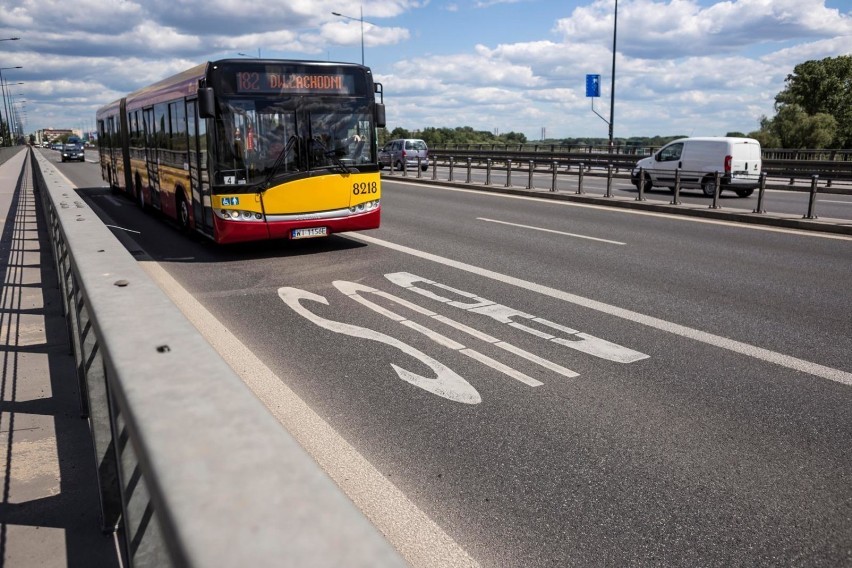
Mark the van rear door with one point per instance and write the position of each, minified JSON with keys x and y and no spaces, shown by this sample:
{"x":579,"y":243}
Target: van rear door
{"x":745,"y":160}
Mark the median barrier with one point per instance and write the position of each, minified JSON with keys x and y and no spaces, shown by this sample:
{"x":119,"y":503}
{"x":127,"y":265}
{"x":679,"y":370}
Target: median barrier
{"x":191,"y":466}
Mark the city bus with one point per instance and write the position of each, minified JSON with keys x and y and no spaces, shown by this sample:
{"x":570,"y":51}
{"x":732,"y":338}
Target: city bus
{"x":251,"y":149}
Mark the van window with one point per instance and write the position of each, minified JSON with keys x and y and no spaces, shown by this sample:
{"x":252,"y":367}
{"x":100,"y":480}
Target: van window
{"x":415,"y":145}
{"x":671,"y":153}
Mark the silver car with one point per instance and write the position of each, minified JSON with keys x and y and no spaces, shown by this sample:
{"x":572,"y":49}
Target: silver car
{"x":405,"y":152}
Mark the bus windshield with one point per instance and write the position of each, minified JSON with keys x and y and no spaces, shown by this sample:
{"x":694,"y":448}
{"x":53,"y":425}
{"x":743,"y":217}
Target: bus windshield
{"x":259,"y":139}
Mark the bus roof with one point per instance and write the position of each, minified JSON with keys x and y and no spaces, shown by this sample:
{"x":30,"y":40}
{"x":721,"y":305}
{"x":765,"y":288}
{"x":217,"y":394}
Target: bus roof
{"x":185,"y":83}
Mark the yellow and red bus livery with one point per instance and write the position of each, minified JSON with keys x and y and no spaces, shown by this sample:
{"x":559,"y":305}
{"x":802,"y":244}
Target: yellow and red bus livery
{"x":245,"y":150}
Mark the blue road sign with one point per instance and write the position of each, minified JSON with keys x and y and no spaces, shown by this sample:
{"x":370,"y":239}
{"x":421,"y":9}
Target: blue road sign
{"x":593,"y":85}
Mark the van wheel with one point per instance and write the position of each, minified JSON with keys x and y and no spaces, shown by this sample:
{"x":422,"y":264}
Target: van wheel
{"x":708,"y":186}
{"x":648,"y":183}
{"x":744,"y":192}
{"x":398,"y":166}
{"x":424,"y":168}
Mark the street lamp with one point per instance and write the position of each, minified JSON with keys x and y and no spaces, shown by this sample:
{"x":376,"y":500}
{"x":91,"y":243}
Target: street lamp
{"x":612,"y":89}
{"x":10,"y":39}
{"x":361,"y":19}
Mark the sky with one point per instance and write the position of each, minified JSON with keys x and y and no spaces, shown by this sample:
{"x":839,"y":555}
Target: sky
{"x":682,"y":67}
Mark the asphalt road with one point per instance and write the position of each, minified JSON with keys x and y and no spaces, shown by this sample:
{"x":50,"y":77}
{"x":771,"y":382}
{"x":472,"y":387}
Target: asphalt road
{"x":555,"y":384}
{"x":792,"y":200}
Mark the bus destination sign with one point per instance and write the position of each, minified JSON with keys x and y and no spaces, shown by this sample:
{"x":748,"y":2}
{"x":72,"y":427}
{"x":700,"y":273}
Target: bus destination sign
{"x":295,"y":83}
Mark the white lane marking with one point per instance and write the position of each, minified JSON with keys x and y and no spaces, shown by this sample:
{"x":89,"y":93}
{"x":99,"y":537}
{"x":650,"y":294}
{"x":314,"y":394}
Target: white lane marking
{"x":834,"y":201}
{"x":419,"y":539}
{"x":582,"y":342}
{"x":446,"y":383}
{"x":123,"y":229}
{"x":543,"y":230}
{"x":740,"y":347}
{"x":625,"y":211}
{"x":353,"y":290}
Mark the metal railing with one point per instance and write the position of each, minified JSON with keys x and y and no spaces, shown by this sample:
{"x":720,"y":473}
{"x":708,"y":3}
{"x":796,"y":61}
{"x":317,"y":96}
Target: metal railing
{"x":192,"y":467}
{"x":829,"y":165}
{"x":711,"y":183}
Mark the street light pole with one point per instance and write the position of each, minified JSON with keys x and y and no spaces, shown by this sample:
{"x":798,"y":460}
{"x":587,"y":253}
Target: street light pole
{"x":612,"y":88}
{"x":361,"y":20}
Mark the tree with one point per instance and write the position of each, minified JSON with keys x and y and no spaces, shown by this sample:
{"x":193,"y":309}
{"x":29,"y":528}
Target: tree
{"x":822,"y":87}
{"x":792,"y":127}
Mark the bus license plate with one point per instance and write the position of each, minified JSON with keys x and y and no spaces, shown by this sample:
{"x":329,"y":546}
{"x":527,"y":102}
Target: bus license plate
{"x":309,"y":232}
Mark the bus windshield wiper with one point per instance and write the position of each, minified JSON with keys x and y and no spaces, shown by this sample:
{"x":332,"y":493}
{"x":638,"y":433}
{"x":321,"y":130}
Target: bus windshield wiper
{"x":279,"y":161}
{"x":332,"y":154}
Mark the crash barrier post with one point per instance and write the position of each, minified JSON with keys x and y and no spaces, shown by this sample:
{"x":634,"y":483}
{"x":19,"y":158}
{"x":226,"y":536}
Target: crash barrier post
{"x":554,"y":170}
{"x":530,"y":179}
{"x":812,"y":198}
{"x":717,"y":188}
{"x":676,"y":197}
{"x":761,"y":190}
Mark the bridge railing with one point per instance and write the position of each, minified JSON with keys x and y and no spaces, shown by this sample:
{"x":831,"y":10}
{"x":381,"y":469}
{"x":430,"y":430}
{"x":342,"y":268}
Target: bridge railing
{"x":830,"y":166}
{"x":191,"y":466}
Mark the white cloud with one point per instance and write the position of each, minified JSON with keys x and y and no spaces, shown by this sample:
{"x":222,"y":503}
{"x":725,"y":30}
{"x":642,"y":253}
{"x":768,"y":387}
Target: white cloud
{"x":682,"y":65}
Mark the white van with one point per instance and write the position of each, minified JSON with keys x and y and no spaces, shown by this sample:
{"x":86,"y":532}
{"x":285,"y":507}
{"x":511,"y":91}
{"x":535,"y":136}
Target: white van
{"x":738,"y":161}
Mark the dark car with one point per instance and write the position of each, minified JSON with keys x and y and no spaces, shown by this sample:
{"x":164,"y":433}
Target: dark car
{"x":73,"y":152}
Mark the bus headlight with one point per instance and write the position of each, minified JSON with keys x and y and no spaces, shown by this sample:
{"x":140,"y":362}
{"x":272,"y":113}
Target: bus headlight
{"x":362,"y":207}
{"x":237,"y":215}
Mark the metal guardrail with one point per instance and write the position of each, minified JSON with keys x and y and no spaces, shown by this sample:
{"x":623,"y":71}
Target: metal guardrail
{"x":559,"y":170}
{"x":191,"y":466}
{"x":829,"y":165}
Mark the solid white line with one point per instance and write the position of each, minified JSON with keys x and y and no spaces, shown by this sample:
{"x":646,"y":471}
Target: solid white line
{"x":123,"y":229}
{"x":650,"y":321}
{"x":410,"y":530}
{"x":834,"y":201}
{"x":624,"y":211}
{"x":543,"y":230}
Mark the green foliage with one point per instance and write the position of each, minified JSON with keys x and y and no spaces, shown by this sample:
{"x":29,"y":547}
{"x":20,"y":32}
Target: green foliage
{"x":736,"y":135}
{"x":815,"y":108}
{"x":459,"y":135}
{"x":793,"y":127}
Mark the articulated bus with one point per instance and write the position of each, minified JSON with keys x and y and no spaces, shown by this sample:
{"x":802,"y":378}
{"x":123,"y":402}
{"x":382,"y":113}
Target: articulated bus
{"x":244,"y":150}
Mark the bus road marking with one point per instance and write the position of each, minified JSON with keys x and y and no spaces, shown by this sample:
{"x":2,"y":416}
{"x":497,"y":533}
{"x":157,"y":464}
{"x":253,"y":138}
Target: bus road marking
{"x":573,"y":339}
{"x":353,"y":291}
{"x":543,"y":230}
{"x":742,"y":348}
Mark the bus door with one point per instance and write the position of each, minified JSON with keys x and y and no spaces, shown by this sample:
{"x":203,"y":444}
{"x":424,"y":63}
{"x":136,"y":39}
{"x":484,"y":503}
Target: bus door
{"x":152,"y":157}
{"x":198,"y":172}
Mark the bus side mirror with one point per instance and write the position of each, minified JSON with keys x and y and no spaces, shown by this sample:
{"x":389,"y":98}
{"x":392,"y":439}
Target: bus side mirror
{"x":206,"y":103}
{"x":380,"y":115}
